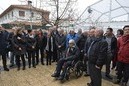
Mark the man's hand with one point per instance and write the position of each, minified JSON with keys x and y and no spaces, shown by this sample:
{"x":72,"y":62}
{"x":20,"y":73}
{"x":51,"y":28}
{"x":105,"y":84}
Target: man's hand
{"x":33,"y":47}
{"x":97,"y":67}
{"x":59,"y":46}
{"x":18,"y":38}
{"x":20,"y":49}
{"x":85,"y":54}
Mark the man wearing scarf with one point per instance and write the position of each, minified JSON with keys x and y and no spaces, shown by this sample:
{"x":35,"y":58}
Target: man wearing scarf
{"x":71,"y":54}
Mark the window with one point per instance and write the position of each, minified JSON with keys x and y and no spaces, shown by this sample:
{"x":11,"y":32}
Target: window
{"x":12,"y":13}
{"x":8,"y":16}
{"x":22,"y":13}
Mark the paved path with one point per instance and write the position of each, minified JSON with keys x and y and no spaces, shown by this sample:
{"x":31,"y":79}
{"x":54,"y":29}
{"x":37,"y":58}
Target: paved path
{"x":41,"y":76}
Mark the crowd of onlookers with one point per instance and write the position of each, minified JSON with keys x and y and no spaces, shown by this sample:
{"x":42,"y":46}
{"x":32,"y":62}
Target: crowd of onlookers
{"x":94,"y":47}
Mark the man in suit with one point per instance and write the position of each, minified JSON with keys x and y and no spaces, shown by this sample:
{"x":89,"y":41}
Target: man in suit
{"x":96,"y":57}
{"x":71,"y":54}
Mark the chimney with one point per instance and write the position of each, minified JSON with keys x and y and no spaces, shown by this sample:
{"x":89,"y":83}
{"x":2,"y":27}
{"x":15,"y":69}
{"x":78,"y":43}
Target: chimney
{"x":29,"y":3}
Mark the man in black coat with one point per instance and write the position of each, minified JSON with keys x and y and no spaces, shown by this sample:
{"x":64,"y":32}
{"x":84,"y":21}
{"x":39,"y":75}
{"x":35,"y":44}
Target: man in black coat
{"x":88,"y":42}
{"x":31,"y":44}
{"x":41,"y":40}
{"x":60,"y":43}
{"x":54,"y":34}
{"x":112,"y":50}
{"x":81,"y":44}
{"x":3,"y":46}
{"x":96,"y":58}
{"x":12,"y":59}
{"x":71,"y":54}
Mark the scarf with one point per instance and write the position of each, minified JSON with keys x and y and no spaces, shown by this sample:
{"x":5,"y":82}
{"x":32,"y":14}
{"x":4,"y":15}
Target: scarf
{"x":47,"y":47}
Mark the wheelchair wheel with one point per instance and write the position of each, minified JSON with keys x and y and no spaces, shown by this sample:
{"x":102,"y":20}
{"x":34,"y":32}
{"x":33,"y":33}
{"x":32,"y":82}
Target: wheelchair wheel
{"x":78,"y":69}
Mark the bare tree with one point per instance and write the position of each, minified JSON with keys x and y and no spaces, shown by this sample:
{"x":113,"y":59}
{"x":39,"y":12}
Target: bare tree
{"x":60,"y":9}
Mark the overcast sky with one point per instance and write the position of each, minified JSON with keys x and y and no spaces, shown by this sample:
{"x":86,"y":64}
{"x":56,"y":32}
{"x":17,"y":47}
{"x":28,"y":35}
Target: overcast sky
{"x":82,"y":4}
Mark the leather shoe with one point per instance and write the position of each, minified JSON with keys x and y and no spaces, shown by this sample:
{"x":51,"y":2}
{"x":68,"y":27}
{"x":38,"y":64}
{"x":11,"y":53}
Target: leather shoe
{"x":108,"y":76}
{"x":6,"y":69}
{"x":89,"y":84}
{"x":60,"y":78}
{"x":54,"y":75}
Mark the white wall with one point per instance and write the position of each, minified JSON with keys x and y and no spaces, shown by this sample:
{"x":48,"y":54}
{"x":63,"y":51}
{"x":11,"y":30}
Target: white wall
{"x":8,"y":19}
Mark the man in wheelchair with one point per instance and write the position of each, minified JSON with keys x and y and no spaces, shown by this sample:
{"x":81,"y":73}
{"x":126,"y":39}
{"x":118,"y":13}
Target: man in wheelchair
{"x":71,"y":54}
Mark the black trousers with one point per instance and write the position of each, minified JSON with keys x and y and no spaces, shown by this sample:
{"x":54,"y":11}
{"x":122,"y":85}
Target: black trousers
{"x":86,"y":65}
{"x":123,"y":71}
{"x":62,"y":62}
{"x":41,"y":54}
{"x":4,"y":61}
{"x":95,"y":75}
{"x":108,"y":63}
{"x":18,"y":60}
{"x":49,"y":57}
{"x":55,"y":55}
{"x":31,"y":58}
{"x":59,"y":54}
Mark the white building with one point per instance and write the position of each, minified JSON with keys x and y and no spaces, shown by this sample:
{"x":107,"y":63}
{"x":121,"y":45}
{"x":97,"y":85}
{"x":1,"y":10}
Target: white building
{"x":24,"y":14}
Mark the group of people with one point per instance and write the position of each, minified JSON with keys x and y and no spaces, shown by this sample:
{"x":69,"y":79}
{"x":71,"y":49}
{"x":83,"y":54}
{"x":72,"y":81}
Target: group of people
{"x":94,"y":48}
{"x":19,"y":45}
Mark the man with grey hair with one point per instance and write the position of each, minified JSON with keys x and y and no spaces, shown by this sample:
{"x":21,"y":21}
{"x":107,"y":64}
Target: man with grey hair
{"x":96,"y":57}
{"x":60,"y":43}
{"x":71,"y":54}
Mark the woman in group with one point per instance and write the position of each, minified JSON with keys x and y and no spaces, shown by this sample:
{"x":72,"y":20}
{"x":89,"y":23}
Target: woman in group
{"x":19,"y":47}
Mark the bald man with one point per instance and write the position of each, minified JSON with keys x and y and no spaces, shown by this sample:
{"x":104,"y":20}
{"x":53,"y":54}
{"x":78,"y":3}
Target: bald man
{"x":96,"y":57}
{"x":89,"y":40}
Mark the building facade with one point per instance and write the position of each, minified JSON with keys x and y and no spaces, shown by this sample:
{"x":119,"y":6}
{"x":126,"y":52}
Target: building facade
{"x":25,"y":15}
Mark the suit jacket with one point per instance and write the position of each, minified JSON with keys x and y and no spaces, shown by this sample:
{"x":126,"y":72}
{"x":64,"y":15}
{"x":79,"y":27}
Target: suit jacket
{"x":72,"y":53}
{"x":30,"y":43}
{"x":3,"y":42}
{"x":97,"y":52}
{"x":60,"y":41}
